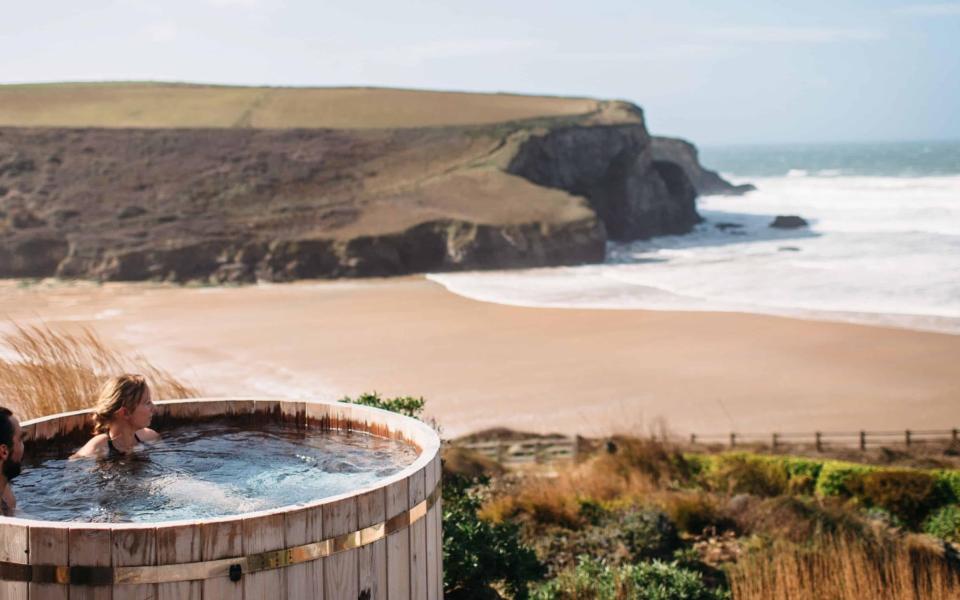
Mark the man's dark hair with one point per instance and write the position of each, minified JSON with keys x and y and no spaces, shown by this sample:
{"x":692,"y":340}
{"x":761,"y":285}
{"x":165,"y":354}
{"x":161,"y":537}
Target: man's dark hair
{"x":6,"y":428}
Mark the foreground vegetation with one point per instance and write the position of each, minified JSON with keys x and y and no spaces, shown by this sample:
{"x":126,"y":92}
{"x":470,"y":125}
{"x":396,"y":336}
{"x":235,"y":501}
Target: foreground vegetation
{"x":643,"y":519}
{"x":45,"y":371}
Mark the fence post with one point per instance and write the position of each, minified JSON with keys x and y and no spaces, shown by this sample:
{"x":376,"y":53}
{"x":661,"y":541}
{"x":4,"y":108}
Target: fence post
{"x":954,"y":434}
{"x":693,"y":439}
{"x":733,"y":440}
{"x":863,"y":440}
{"x":819,"y":441}
{"x":774,"y":441}
{"x":906,"y":437}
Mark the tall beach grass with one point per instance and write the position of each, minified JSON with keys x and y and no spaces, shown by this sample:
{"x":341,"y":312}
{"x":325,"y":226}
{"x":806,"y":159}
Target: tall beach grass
{"x":45,"y":371}
{"x":846,"y":568}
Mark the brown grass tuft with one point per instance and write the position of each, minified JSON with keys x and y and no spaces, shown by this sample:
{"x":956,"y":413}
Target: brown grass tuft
{"x":846,"y":568}
{"x":46,"y":372}
{"x":556,"y":500}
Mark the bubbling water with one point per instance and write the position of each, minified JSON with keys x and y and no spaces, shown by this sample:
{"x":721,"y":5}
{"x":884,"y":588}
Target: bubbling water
{"x":203,"y":470}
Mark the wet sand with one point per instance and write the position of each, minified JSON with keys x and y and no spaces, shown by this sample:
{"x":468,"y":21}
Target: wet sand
{"x":479,"y":365}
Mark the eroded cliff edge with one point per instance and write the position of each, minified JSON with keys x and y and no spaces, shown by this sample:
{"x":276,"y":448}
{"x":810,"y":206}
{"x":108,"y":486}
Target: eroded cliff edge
{"x":244,"y":204}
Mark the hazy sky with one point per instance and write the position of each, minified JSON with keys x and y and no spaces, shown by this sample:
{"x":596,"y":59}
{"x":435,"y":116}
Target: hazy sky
{"x":714,"y":71}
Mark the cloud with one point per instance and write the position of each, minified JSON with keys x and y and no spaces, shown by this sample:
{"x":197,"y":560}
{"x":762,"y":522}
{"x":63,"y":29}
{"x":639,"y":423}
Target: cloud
{"x":443,"y":49}
{"x":944,"y":9}
{"x":649,"y":53}
{"x":792,"y":35}
{"x":235,"y":3}
{"x":161,"y":32}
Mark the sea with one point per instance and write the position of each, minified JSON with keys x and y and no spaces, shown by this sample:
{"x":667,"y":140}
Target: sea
{"x":882,"y":246}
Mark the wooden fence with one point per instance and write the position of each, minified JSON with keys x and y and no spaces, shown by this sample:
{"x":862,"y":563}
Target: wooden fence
{"x":820,"y":439}
{"x":559,"y":448}
{"x":531,"y":450}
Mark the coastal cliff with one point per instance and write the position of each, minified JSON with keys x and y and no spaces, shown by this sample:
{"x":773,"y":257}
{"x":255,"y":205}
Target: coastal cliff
{"x":685,"y":154}
{"x":231,"y":204}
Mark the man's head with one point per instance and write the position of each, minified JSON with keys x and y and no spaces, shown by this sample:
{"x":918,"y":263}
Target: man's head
{"x":11,"y":444}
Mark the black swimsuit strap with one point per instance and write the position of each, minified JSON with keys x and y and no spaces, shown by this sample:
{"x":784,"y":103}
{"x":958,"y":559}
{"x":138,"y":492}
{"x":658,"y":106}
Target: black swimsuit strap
{"x":113,"y":449}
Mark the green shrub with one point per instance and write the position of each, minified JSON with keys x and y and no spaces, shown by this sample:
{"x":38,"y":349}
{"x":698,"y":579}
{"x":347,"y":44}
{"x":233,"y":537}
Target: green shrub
{"x":802,"y":475}
{"x":909,"y":495}
{"x":591,"y":511}
{"x":694,"y":512}
{"x":595,"y":580}
{"x":757,"y":474}
{"x":742,"y":473}
{"x":405,"y":405}
{"x":841,"y":478}
{"x":477,"y":553}
{"x":648,"y":534}
{"x":698,"y":465}
{"x":944,"y":523}
{"x":948,"y":482}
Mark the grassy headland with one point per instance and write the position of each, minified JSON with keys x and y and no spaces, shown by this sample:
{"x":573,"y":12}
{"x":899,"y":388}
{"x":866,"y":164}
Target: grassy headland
{"x":176,"y":105}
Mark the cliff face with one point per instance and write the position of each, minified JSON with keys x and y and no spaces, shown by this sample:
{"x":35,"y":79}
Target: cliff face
{"x":277,"y":205}
{"x":613,"y":167}
{"x":685,"y":154}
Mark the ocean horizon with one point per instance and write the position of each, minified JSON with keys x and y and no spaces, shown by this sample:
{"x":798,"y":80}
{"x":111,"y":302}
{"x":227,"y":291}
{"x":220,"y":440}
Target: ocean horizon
{"x":882,"y":246}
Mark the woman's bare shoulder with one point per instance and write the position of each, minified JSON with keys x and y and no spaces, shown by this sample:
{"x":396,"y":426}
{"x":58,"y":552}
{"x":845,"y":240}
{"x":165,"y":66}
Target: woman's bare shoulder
{"x":96,"y":446}
{"x":148,"y":435}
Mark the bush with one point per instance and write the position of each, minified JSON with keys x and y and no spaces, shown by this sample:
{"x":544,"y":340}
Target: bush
{"x":802,"y":475}
{"x":616,"y":537}
{"x":795,"y":519}
{"x":944,"y":523}
{"x":648,"y":534}
{"x":907,"y":495}
{"x":841,"y":478}
{"x":595,"y":580}
{"x":948,"y":483}
{"x":477,"y":553}
{"x":652,"y":459}
{"x":741,"y":473}
{"x":694,"y":512}
{"x":405,"y":405}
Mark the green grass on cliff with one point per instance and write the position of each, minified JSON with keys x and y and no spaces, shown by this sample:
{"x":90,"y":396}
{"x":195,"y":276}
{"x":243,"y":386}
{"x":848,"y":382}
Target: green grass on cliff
{"x":170,"y":105}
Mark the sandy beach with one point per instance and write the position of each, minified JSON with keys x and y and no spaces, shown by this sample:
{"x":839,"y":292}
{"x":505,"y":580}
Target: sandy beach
{"x":480,"y":365}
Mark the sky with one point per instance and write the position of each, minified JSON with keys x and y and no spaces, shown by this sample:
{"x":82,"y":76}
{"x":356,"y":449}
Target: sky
{"x":715,"y":72}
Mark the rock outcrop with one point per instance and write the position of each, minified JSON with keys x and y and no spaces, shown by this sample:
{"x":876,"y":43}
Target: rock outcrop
{"x":613,"y":167}
{"x":685,"y":154}
{"x":240,"y":205}
{"x":788,"y":222}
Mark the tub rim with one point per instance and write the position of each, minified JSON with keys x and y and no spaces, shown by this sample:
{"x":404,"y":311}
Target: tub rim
{"x":423,"y":435}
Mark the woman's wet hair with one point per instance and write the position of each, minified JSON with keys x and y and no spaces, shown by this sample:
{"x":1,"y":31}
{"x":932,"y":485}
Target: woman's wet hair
{"x":125,"y":391}
{"x":6,"y":427}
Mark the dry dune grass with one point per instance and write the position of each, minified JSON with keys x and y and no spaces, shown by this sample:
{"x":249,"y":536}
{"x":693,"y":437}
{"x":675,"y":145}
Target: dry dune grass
{"x":178,"y":105}
{"x":47,"y":372}
{"x":846,"y":568}
{"x":631,"y":475}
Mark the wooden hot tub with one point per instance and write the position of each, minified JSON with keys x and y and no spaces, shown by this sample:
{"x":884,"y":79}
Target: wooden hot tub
{"x":382,"y":541}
